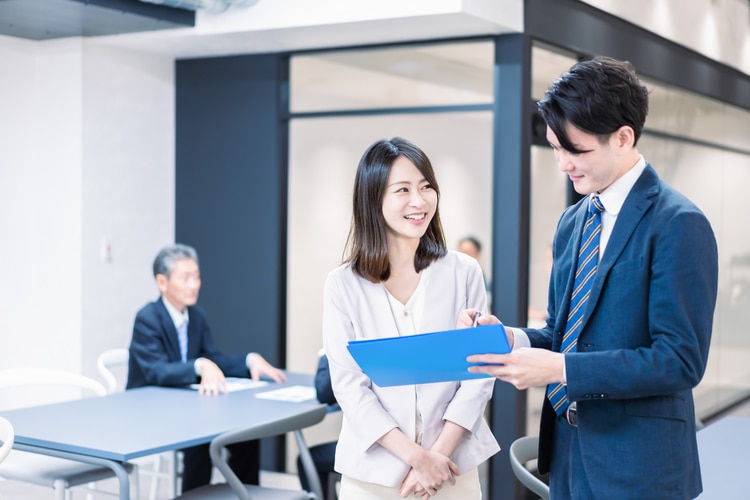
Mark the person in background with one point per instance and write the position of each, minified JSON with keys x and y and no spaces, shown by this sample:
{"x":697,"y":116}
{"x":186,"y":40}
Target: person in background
{"x":172,"y":346}
{"x":631,"y":303}
{"x":470,"y":246}
{"x":323,"y":455}
{"x":399,"y":279}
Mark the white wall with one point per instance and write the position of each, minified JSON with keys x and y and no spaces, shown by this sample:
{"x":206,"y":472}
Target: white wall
{"x":86,"y":151}
{"x":40,"y":203}
{"x":128,"y":188}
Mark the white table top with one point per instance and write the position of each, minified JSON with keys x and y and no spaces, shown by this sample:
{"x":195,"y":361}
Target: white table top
{"x":148,"y":420}
{"x":724,"y":450}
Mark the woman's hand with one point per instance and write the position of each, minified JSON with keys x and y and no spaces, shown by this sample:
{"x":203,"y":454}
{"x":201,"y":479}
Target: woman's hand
{"x":411,"y":485}
{"x":429,"y":472}
{"x":467,"y":316}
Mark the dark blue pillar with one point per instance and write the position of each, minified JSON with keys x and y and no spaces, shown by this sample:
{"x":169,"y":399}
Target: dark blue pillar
{"x":231,"y":195}
{"x":510,"y":245}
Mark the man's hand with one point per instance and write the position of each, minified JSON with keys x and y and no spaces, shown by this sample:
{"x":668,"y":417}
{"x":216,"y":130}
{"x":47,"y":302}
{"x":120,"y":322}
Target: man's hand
{"x":524,"y":368}
{"x":260,"y":367}
{"x":212,"y":378}
{"x":466,"y":320}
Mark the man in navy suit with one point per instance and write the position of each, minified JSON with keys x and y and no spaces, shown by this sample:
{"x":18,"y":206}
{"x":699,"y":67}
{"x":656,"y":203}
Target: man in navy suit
{"x":161,"y":355}
{"x":629,"y":429}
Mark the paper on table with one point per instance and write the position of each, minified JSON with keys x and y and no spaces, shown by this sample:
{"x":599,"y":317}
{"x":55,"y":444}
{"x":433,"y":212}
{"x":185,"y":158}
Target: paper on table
{"x":293,"y":393}
{"x":427,"y":357}
{"x":238,"y":384}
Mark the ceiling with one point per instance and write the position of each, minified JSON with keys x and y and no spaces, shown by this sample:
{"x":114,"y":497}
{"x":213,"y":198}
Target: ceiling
{"x":48,"y":19}
{"x":181,"y":33}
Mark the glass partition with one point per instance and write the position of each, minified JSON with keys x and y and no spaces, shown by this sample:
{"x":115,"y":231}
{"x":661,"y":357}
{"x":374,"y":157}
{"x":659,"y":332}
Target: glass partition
{"x":440,"y":97}
{"x":394,"y":77}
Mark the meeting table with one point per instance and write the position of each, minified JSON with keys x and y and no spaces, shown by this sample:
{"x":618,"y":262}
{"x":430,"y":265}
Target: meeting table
{"x":112,"y":430}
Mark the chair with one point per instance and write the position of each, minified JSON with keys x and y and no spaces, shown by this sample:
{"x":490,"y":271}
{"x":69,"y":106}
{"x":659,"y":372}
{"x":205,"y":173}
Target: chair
{"x":6,"y":436}
{"x":57,"y":473}
{"x":114,"y":361}
{"x":522,"y":450}
{"x":109,"y":360}
{"x":233,"y":488}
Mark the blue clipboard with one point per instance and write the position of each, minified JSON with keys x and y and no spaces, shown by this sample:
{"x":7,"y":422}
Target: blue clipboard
{"x":427,"y":357}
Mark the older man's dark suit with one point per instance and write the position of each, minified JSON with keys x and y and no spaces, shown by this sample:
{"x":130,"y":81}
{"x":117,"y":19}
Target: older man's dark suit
{"x":155,"y":360}
{"x":642,"y":349}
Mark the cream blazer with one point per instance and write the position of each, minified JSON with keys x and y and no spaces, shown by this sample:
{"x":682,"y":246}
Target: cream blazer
{"x":355,"y":308}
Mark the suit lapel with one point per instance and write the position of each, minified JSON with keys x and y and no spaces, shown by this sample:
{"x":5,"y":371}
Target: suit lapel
{"x":172,"y":343}
{"x":636,"y":205}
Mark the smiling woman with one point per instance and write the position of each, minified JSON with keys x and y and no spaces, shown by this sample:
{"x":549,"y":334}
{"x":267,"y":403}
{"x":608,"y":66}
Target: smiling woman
{"x":399,"y":279}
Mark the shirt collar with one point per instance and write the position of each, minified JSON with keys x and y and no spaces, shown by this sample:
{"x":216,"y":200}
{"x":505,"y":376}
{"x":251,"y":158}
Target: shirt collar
{"x":177,"y":317}
{"x":614,"y":196}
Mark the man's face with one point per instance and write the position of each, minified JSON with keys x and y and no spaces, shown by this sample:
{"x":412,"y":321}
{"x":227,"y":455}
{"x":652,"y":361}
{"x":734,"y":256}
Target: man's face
{"x":182,"y":287}
{"x":469,"y":248}
{"x":597,"y":167}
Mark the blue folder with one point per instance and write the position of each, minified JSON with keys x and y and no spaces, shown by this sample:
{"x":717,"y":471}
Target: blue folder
{"x":427,"y":357}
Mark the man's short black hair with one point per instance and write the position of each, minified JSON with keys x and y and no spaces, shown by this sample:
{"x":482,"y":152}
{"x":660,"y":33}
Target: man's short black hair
{"x":597,"y":96}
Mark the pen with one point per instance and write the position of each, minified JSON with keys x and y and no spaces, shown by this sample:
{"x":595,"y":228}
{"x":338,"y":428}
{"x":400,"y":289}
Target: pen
{"x":476,"y":318}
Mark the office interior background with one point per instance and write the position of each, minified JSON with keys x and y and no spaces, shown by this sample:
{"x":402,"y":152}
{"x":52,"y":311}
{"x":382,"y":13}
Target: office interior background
{"x":112,"y":146}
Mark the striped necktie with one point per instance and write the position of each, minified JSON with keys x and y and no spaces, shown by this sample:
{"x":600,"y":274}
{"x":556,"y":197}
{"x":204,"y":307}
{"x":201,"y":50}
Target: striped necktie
{"x":588,"y":259}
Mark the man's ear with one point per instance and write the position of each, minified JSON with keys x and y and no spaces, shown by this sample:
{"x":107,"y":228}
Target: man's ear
{"x":161,"y":282}
{"x":625,"y":137}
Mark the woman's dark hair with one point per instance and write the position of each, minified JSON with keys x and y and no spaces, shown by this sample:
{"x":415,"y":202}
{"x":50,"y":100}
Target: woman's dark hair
{"x":367,"y":242}
{"x":597,"y":96}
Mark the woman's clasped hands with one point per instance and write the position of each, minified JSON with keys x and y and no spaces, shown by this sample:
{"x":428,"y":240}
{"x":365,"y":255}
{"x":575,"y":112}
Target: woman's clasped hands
{"x":428,"y":475}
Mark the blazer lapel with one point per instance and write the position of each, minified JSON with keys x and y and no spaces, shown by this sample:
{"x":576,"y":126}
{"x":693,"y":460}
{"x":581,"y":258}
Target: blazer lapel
{"x":636,"y":205}
{"x":172,"y":343}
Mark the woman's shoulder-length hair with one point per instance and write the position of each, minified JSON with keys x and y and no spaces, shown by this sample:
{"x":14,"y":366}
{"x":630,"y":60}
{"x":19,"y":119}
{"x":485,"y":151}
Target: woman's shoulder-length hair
{"x":367,"y":242}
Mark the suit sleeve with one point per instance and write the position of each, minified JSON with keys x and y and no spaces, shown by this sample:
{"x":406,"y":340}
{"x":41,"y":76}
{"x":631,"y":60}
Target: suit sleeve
{"x":323,"y":382}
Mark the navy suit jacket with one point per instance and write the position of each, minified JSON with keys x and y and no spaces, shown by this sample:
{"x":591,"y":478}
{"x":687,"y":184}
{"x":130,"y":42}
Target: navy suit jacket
{"x":155,"y":349}
{"x":643,"y":346}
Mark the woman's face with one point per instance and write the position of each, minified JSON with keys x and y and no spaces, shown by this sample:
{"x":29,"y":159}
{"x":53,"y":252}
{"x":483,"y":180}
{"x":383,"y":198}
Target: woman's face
{"x":409,"y":202}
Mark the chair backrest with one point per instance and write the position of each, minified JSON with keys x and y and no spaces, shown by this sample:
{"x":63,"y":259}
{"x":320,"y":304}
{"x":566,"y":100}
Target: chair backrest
{"x":267,"y":429}
{"x":6,"y":436}
{"x":522,"y":450}
{"x":13,"y":378}
{"x":109,"y":359}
